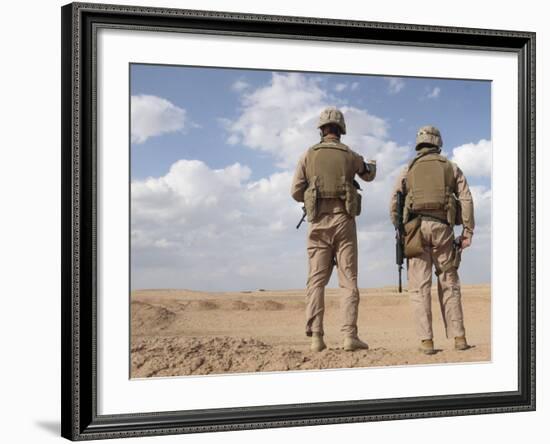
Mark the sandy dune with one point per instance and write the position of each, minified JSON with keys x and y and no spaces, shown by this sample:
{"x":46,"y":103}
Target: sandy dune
{"x":180,"y":332}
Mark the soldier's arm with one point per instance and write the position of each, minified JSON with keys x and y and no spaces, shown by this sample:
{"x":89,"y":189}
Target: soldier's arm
{"x":299,"y":182}
{"x":365,"y":170}
{"x":466,"y":203}
{"x":398,"y":186}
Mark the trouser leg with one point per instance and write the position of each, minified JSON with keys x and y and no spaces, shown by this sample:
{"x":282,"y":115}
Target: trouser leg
{"x":320,"y":267}
{"x":346,"y":262}
{"x":450,"y":298}
{"x":419,"y":274}
{"x":441,"y":306}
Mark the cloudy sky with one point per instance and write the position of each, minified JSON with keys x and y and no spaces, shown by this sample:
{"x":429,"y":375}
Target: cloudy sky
{"x":213,"y":153}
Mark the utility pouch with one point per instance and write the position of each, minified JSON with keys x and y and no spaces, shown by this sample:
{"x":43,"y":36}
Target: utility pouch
{"x":310,"y":200}
{"x":412,"y":241}
{"x":352,"y":200}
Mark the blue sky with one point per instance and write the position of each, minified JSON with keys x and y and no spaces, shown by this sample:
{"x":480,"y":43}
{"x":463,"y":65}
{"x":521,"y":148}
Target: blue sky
{"x":245,"y":130}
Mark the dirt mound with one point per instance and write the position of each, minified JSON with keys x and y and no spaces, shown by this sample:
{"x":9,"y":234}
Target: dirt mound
{"x":173,"y":355}
{"x":239,"y":305}
{"x":180,"y":356}
{"x":204,"y":305}
{"x":269,"y":305}
{"x":147,"y":317}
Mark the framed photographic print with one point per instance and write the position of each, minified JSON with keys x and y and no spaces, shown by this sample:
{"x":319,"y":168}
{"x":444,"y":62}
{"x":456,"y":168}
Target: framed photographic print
{"x":280,"y":221}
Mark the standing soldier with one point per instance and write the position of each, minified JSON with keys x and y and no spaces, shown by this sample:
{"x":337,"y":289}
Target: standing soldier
{"x":325,"y":182}
{"x":437,"y":198}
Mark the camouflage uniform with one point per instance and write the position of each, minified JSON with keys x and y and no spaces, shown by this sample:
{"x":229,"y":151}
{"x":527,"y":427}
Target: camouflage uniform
{"x":437,"y":240}
{"x":332,"y":236}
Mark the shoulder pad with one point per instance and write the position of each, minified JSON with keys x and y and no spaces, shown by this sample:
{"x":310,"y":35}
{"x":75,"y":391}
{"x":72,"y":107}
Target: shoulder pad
{"x":430,"y":157}
{"x":333,"y":145}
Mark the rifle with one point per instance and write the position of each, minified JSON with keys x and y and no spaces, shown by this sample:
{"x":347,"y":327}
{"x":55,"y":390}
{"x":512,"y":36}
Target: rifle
{"x":303,"y":217}
{"x":399,"y":236}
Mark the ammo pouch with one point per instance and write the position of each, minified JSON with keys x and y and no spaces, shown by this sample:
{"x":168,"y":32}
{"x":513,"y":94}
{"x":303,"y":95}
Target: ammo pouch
{"x":311,"y":196}
{"x":412,"y":241}
{"x":352,"y":199}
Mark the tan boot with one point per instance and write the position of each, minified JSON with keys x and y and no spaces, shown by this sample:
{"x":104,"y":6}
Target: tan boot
{"x":352,"y":343}
{"x":427,"y":347}
{"x":317,"y":343}
{"x":460,"y":343}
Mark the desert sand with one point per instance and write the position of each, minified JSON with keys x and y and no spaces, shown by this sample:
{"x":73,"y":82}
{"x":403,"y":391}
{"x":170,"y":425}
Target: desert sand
{"x":182,"y":332}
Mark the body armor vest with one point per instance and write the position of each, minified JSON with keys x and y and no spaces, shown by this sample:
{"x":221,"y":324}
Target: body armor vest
{"x":329,"y":165}
{"x":329,"y":170}
{"x":430,"y":186}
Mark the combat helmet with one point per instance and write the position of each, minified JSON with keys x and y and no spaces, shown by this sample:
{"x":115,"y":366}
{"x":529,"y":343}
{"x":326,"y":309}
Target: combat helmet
{"x":332,"y":115}
{"x":428,"y":135}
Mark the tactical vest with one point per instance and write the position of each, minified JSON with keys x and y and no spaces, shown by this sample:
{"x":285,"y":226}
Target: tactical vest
{"x":430,"y":186}
{"x":329,"y":170}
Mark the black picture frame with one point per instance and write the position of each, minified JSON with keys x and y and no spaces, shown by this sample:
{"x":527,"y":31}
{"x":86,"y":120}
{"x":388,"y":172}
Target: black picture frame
{"x":80,"y":420}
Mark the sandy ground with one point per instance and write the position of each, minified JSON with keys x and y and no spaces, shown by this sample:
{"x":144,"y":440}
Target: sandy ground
{"x":181,"y":332}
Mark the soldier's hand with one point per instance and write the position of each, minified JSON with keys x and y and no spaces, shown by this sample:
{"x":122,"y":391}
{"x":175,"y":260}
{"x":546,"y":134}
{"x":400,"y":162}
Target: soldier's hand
{"x":465,"y":243}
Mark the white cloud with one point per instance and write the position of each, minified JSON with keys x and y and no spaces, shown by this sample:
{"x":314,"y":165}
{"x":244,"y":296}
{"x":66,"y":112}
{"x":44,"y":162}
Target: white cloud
{"x":482,"y":197}
{"x":152,"y":116}
{"x":339,"y":87}
{"x":354,"y":86}
{"x":203,"y":226}
{"x":240,"y":85}
{"x":189,"y":185}
{"x":476,"y":260}
{"x":433,"y":93}
{"x":281,"y":117}
{"x":474,"y":159}
{"x":395,"y":85}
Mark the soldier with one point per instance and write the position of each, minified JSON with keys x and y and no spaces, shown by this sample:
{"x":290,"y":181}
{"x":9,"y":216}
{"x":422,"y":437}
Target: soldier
{"x":324,"y":181}
{"x":437,"y":199}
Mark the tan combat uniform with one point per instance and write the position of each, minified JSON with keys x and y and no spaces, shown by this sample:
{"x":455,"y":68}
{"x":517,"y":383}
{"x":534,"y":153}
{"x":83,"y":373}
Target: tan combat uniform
{"x":437,"y":240}
{"x":331,"y":240}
